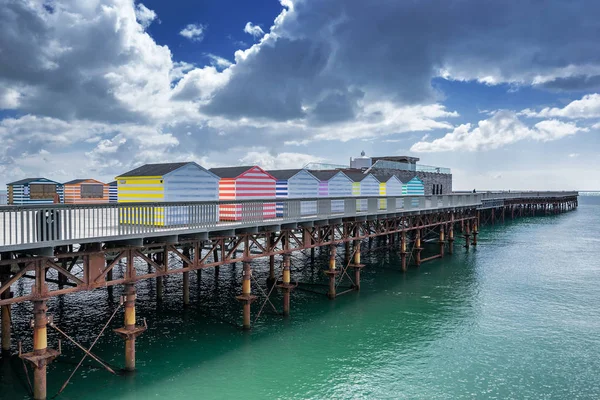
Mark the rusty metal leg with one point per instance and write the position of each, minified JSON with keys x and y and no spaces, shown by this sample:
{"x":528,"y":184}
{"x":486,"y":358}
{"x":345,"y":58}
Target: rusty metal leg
{"x":451,"y":238}
{"x":40,"y":344}
{"x":271,"y":278}
{"x":41,"y":355}
{"x":130,"y":331}
{"x":332,"y":272}
{"x":159,"y":288}
{"x":442,"y":241}
{"x":403,"y":251}
{"x":246,"y":298}
{"x":186,"y":289}
{"x":357,"y":265}
{"x":467,"y":235}
{"x":346,"y":253}
{"x":6,"y":328}
{"x":286,"y":286}
{"x":418,"y":247}
{"x":475,"y":232}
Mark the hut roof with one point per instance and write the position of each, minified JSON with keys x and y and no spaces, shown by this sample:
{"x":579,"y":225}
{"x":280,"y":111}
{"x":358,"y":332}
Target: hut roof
{"x":230,"y":172}
{"x":29,"y":180}
{"x":76,"y":181}
{"x":325,"y":175}
{"x":155,"y":169}
{"x":356,"y":176}
{"x":383,"y":177}
{"x":284,"y":173}
{"x":113,"y":183}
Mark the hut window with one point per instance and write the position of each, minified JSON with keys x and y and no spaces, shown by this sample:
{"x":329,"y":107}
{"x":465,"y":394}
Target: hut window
{"x":92,"y":191}
{"x":41,"y":191}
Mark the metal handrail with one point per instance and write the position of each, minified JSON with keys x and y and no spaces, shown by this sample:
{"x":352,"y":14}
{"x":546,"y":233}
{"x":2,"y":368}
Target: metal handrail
{"x":32,"y":226}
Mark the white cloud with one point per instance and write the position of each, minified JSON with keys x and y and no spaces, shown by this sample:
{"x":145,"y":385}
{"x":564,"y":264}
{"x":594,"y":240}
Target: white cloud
{"x":144,"y":15}
{"x":502,"y":129}
{"x":218,"y":62}
{"x":573,"y":155}
{"x":254,"y":30}
{"x":194,"y":32}
{"x":587,"y":107}
{"x":277,"y":161}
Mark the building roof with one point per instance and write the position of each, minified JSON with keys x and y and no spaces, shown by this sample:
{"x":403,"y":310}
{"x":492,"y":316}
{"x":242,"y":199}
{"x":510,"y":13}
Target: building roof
{"x":401,"y":159}
{"x":282,"y":174}
{"x":230,"y":172}
{"x":29,"y":180}
{"x":155,"y":169}
{"x":76,"y":181}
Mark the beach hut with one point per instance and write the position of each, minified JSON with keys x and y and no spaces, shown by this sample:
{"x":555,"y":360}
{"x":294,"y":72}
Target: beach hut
{"x":169,"y":182}
{"x":34,"y":191}
{"x":113,"y":192}
{"x":85,"y":191}
{"x":363,"y":185}
{"x":245,"y":183}
{"x":390,"y":185}
{"x":294,"y":184}
{"x":414,"y":187}
{"x":334,"y":183}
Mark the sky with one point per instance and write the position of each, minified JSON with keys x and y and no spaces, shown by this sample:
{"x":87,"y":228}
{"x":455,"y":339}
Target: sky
{"x":505,"y":93}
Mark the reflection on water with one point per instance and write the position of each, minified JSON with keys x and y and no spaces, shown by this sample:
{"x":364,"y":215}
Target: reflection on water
{"x":515,"y":318}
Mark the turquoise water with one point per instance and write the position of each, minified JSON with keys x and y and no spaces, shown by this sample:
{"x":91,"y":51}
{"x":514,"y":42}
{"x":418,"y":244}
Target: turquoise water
{"x":517,"y":317}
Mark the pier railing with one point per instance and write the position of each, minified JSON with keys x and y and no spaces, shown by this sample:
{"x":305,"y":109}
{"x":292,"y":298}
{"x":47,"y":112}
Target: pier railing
{"x":53,"y":225}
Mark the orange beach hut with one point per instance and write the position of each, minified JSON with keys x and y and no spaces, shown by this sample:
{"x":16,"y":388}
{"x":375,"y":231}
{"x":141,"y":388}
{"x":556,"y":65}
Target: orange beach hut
{"x":85,"y":191}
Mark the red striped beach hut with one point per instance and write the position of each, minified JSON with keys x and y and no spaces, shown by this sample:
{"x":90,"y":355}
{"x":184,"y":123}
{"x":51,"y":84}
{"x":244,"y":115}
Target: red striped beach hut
{"x":245,"y":183}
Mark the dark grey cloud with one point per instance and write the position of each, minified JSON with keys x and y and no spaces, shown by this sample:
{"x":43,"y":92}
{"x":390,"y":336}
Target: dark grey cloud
{"x":60,"y":61}
{"x":392,"y":49}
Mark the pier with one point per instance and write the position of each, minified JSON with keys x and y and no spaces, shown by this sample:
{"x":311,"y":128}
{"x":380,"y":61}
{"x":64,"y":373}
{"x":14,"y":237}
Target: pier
{"x":67,"y":248}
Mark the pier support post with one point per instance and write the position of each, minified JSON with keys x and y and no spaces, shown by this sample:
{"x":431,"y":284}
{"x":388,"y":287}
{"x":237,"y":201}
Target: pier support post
{"x":130,"y":331}
{"x":357,"y":265}
{"x":160,"y":260}
{"x":476,"y":231}
{"x":418,"y":247}
{"x":346,"y":253}
{"x":442,"y":241}
{"x":41,"y":355}
{"x":5,"y":317}
{"x":468,"y":234}
{"x":246,"y":298}
{"x":286,"y":285}
{"x":271,"y":278}
{"x":186,"y":279}
{"x":451,"y":238}
{"x":403,"y":251}
{"x":332,"y":272}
